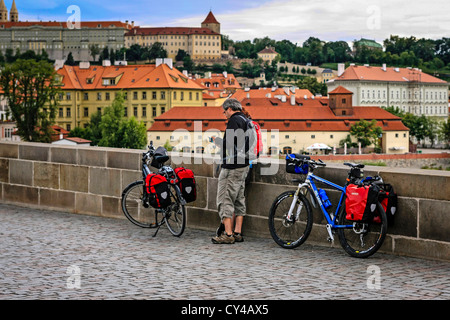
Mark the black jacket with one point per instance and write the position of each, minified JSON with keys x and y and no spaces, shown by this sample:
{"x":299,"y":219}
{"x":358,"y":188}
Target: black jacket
{"x":234,"y":142}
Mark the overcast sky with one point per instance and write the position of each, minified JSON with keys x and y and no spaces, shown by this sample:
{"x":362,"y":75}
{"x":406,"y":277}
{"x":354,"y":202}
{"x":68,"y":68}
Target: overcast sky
{"x":294,"y":20}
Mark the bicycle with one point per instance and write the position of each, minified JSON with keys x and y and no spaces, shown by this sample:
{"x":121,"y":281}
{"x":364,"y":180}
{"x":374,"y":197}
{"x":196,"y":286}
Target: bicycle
{"x":135,"y":199}
{"x":291,"y":216}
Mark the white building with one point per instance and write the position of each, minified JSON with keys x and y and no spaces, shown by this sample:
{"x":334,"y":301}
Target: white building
{"x":409,"y":89}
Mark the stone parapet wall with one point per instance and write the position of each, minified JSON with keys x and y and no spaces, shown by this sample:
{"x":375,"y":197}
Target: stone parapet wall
{"x":90,"y":180}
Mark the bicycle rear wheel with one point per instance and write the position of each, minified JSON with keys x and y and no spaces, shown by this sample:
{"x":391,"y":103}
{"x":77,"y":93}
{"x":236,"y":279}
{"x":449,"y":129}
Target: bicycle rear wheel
{"x":175,"y":213}
{"x":364,"y":239}
{"x":290,"y":234}
{"x":136,"y":209}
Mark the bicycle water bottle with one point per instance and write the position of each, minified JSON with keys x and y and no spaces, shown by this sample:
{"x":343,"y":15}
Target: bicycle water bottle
{"x":325,"y":200}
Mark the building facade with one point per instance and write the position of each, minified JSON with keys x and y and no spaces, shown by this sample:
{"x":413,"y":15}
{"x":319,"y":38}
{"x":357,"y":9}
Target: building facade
{"x":288,"y":125}
{"x":409,"y":89}
{"x":59,"y":39}
{"x":149,"y":91}
{"x":204,"y":43}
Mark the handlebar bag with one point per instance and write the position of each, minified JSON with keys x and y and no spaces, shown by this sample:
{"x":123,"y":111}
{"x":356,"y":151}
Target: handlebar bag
{"x":186,"y":183}
{"x":361,"y":202}
{"x":158,"y":190}
{"x":293,"y":166}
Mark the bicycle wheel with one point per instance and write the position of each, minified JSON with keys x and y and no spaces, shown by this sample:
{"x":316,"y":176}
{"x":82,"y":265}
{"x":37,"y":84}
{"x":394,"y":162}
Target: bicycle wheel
{"x":136,"y":209}
{"x":290,"y":234}
{"x":363,"y":239}
{"x":175,"y":213}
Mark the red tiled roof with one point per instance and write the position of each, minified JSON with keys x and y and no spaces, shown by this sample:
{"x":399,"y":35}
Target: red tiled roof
{"x":391,"y":74}
{"x":223,"y":83}
{"x":282,"y":118}
{"x":264,"y":92}
{"x":59,"y":24}
{"x":210,"y":18}
{"x":132,"y":76}
{"x":147,"y":31}
{"x":340,"y":90}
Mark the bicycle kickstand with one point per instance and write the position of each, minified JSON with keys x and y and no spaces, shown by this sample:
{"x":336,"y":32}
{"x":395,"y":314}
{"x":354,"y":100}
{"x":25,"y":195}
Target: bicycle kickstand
{"x":156,"y":232}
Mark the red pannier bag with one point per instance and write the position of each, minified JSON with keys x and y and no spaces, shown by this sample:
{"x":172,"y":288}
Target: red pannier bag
{"x":388,"y":199}
{"x":186,"y":183}
{"x":158,"y":190}
{"x":361,"y":202}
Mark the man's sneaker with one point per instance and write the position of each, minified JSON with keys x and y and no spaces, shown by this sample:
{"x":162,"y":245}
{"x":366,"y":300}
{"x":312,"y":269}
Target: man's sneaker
{"x":220,"y":229}
{"x":223,"y":239}
{"x":238,"y":237}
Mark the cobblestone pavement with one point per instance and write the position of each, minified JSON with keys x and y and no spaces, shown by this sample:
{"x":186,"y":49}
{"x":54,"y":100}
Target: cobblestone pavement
{"x":55,"y":255}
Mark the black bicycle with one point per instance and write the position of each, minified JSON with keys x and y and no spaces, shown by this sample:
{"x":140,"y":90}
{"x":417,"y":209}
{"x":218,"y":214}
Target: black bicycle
{"x":135,"y":199}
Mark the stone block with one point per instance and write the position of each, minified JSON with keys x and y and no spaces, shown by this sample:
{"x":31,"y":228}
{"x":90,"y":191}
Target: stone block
{"x":88,"y":203}
{"x":434,"y":220}
{"x":4,"y":170}
{"x":111,"y":207}
{"x":64,"y":200}
{"x":46,"y":175}
{"x":20,"y":194}
{"x":62,"y":154}
{"x":212,"y":193}
{"x":105,"y":181}
{"x":21,"y":172}
{"x":74,"y":178}
{"x":405,"y":219}
{"x":260,"y":196}
{"x":92,"y":157}
{"x":422,"y":248}
{"x":9,"y":150}
{"x":202,"y":218}
{"x":35,"y":151}
{"x":123,"y":159}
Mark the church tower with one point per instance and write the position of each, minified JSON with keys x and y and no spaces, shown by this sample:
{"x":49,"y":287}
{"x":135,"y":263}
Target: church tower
{"x":3,"y":12}
{"x":210,"y":23}
{"x":13,"y":13}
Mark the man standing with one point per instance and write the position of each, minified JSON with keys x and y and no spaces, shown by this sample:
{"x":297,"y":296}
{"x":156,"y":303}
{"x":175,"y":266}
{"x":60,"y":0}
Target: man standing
{"x":235,"y":166}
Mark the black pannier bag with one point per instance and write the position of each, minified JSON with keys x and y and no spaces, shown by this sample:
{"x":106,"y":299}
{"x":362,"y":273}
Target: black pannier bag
{"x":361,"y":202}
{"x":186,"y":183}
{"x":388,"y":199}
{"x":158,"y":190}
{"x":294,"y":167}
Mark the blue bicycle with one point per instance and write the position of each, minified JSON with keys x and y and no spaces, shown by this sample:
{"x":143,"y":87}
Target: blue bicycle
{"x":291,"y":215}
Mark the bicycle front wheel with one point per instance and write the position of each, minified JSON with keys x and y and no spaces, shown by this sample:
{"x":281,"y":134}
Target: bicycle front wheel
{"x":175,"y":213}
{"x":363,"y":239}
{"x":291,"y":233}
{"x":137,"y":209}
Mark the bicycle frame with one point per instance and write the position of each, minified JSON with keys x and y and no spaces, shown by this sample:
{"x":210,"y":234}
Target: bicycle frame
{"x":310,"y":185}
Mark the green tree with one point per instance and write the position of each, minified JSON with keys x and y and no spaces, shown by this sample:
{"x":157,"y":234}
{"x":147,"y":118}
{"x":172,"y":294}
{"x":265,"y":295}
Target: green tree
{"x":118,"y":132}
{"x":366,"y":132}
{"x":444,"y":132}
{"x":94,"y":50}
{"x":30,"y":89}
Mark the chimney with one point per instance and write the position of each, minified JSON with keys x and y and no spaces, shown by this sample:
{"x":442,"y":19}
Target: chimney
{"x":292,"y":100}
{"x":384,"y":67}
{"x":185,"y":72}
{"x":169,"y":62}
{"x":106,"y":63}
{"x":341,"y":69}
{"x":225,"y":74}
{"x":158,"y":61}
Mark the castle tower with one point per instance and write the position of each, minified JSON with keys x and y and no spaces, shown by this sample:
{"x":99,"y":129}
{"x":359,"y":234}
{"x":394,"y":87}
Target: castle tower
{"x":341,"y":102}
{"x":210,"y":22}
{"x":13,"y":13}
{"x":3,"y":12}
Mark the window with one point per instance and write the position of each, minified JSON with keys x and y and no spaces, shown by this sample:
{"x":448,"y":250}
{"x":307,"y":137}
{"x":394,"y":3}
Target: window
{"x":61,"y":112}
{"x":144,"y":111}
{"x":135,"y":95}
{"x":153,"y":111}
{"x":163,"y":95}
{"x":144,"y":95}
{"x":68,"y":112}
{"x":86,"y":112}
{"x":135,"y":111}
{"x":86,"y":96}
{"x":107,"y":96}
{"x":99,"y":96}
{"x":313,"y":136}
{"x":68,"y":96}
{"x":154,"y":95}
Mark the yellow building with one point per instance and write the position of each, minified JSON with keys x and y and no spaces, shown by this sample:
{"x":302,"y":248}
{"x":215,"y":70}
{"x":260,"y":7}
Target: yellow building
{"x":268,"y":54}
{"x":200,"y":43}
{"x":149,"y":91}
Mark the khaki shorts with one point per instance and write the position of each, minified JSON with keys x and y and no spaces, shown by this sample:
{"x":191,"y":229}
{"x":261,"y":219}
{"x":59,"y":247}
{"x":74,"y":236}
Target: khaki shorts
{"x":230,"y":192}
